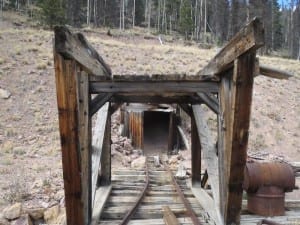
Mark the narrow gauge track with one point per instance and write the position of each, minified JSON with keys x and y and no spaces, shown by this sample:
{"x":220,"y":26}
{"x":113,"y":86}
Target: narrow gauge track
{"x":141,"y":197}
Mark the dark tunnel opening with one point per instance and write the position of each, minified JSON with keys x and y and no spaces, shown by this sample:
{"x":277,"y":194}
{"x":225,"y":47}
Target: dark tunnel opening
{"x":156,"y":132}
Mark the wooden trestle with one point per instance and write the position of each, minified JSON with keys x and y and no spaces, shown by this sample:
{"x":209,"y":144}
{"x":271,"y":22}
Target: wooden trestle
{"x":224,"y":85}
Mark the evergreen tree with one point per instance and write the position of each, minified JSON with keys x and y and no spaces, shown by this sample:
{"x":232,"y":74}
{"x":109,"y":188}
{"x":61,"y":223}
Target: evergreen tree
{"x":186,"y":22}
{"x":52,"y":12}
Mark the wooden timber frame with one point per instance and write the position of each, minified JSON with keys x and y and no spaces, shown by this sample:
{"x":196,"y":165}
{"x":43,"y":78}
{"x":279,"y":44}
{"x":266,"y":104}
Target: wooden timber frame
{"x":85,"y":87}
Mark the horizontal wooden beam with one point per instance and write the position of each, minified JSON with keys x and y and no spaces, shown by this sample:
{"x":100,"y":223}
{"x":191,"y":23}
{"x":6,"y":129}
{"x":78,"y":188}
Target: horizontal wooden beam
{"x":167,"y":99}
{"x":75,"y":46}
{"x":98,"y":102}
{"x":153,"y":87}
{"x":211,"y":101}
{"x":97,"y":144}
{"x":250,"y":38}
{"x":274,"y":73}
{"x":152,"y":77}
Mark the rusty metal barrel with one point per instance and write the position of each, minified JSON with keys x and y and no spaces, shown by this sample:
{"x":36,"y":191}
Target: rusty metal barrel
{"x":276,"y":174}
{"x":266,"y":184}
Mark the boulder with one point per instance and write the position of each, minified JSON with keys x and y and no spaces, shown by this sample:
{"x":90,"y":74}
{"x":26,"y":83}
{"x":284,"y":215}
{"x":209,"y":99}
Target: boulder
{"x":13,"y":211}
{"x":51,"y":214}
{"x":35,"y":212}
{"x":55,"y":215}
{"x":23,"y":220}
{"x":139,"y":163}
{"x":3,"y":221}
{"x":4,"y":94}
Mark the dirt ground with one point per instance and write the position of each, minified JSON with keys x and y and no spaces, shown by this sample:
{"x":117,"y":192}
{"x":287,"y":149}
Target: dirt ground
{"x":30,"y":159}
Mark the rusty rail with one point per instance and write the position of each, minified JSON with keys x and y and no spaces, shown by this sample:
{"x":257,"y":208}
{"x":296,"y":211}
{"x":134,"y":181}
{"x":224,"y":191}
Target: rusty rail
{"x":184,"y":200}
{"x":130,"y":213}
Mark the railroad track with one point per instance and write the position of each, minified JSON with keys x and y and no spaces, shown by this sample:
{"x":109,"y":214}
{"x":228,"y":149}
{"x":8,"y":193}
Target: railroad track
{"x":151,"y":196}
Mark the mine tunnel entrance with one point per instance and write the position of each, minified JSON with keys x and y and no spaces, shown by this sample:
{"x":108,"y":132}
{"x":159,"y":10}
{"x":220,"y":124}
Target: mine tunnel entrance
{"x":156,"y":132}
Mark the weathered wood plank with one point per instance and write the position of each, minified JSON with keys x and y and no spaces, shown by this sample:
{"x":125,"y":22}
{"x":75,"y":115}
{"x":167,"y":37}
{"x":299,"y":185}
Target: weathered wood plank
{"x":208,"y":204}
{"x":169,"y":217}
{"x":84,"y":133}
{"x":235,"y":134}
{"x":211,"y":101}
{"x":250,"y":38}
{"x":105,"y":161}
{"x":97,"y":144}
{"x":75,"y":46}
{"x":209,"y":151}
{"x":161,"y":98}
{"x":184,"y":138}
{"x":102,"y":194}
{"x":65,"y":74}
{"x":196,"y":153}
{"x":153,"y":87}
{"x":274,"y":73}
{"x":187,"y":109}
{"x":98,"y":102}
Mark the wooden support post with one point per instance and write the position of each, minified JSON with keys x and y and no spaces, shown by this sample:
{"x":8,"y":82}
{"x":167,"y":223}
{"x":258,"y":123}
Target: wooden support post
{"x":65,"y":74}
{"x":106,"y":154}
{"x":235,"y":102}
{"x":196,"y":153}
{"x":98,"y":144}
{"x":84,"y":131}
{"x":172,"y":139}
{"x":209,"y":156}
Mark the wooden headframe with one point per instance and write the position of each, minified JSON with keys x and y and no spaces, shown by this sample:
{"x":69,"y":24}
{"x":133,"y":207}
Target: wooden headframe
{"x":224,"y":85}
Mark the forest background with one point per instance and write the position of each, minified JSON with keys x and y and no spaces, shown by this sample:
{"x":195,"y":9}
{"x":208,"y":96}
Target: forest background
{"x":210,"y":22}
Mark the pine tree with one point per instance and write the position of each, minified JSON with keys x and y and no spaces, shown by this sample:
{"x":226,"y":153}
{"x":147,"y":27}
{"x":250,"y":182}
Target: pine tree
{"x":186,"y":22}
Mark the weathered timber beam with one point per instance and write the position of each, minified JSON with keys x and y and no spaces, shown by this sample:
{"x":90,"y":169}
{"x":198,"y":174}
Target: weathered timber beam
{"x":235,"y":106}
{"x":274,"y":73}
{"x":155,"y":98}
{"x":152,"y":77}
{"x":97,"y":144}
{"x":211,"y":101}
{"x":114,"y":107}
{"x":102,"y":194}
{"x":105,"y":162}
{"x":65,"y":75}
{"x":184,"y":138}
{"x":98,"y":102}
{"x":75,"y":46}
{"x":169,"y":217}
{"x":187,"y":109}
{"x":153,"y":87}
{"x":209,"y":153}
{"x":84,"y":133}
{"x":196,"y":151}
{"x":208,"y":204}
{"x":249,"y":38}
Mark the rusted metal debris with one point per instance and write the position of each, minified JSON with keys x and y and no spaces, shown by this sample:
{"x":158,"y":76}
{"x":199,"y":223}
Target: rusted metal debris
{"x":187,"y":205}
{"x":266,"y":184}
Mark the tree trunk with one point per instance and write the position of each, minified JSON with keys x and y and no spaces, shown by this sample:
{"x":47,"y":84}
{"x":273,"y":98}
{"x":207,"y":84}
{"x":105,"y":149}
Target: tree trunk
{"x":149,"y":14}
{"x":88,"y":13}
{"x":205,"y":20}
{"x":123,"y":15}
{"x":133,"y":14}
